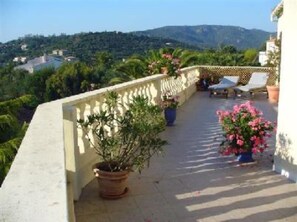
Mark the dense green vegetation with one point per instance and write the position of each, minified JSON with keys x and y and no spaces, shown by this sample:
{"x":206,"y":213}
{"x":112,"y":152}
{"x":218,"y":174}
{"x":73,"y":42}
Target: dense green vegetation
{"x":211,"y":36}
{"x":104,"y":70}
{"x":12,"y":130}
{"x":84,"y":45}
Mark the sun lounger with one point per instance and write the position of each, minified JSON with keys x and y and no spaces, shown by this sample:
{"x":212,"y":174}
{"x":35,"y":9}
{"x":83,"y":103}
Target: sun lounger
{"x":224,"y":86}
{"x":256,"y":83}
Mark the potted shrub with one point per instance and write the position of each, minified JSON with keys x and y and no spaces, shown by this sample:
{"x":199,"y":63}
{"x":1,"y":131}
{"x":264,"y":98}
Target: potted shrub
{"x":169,"y":104}
{"x":245,"y":131}
{"x":124,"y":142}
{"x":274,"y":59}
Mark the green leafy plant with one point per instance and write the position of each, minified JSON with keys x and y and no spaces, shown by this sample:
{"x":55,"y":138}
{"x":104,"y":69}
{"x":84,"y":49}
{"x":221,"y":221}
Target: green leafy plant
{"x":274,"y":59}
{"x":125,"y":141}
{"x":165,"y":63}
{"x":169,"y":101}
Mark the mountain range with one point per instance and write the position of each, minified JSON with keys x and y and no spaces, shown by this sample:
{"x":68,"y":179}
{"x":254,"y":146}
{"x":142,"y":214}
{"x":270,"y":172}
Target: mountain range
{"x":211,"y":36}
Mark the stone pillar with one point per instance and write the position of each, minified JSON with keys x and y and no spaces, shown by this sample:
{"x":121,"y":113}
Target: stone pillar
{"x":71,"y":150}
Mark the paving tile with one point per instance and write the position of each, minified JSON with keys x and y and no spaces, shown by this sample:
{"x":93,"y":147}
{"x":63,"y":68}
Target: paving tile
{"x":143,"y":186}
{"x":171,"y":184}
{"x":159,"y":214}
{"x":89,"y":207}
{"x":188,"y":210}
{"x":119,"y":205}
{"x":103,"y":217}
{"x":126,"y":216}
{"x":146,"y":201}
{"x":194,"y":219}
{"x":92,"y":191}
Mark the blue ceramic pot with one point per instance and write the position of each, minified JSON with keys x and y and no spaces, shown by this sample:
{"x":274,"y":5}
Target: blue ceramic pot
{"x":245,"y":157}
{"x":170,"y":116}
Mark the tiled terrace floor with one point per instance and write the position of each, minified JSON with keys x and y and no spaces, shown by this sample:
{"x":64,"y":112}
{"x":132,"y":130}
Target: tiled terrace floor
{"x":193,"y":183}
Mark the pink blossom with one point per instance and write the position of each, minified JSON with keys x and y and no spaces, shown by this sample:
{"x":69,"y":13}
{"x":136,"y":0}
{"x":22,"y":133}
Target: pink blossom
{"x":231,"y":137}
{"x":240,"y":142}
{"x":254,"y":150}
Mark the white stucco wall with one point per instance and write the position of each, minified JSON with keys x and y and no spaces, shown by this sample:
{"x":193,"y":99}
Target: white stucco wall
{"x":263,"y":58}
{"x":285,"y":160}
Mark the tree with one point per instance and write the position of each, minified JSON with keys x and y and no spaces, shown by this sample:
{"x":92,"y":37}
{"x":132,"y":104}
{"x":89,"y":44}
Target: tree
{"x":134,"y":67}
{"x":228,"y":49}
{"x":36,"y":83}
{"x":11,"y":131}
{"x":251,"y":55}
{"x":104,"y":59}
{"x":11,"y":82}
{"x":68,"y":80}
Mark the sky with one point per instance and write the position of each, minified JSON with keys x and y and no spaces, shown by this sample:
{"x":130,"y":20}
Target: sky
{"x":47,"y":17}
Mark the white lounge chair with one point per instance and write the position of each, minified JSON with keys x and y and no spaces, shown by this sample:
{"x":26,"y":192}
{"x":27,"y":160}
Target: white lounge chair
{"x":224,"y":86}
{"x":256,"y":83}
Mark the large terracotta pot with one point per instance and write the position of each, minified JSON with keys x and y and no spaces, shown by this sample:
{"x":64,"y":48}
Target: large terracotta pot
{"x":112,"y":185}
{"x":273,"y":93}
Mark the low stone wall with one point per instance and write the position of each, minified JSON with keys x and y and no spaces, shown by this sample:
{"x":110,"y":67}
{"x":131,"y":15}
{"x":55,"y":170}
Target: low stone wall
{"x":216,"y":72}
{"x":35,"y":188}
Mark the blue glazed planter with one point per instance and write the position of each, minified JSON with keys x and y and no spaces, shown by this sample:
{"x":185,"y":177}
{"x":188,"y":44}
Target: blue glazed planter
{"x":245,"y":157}
{"x":170,"y":116}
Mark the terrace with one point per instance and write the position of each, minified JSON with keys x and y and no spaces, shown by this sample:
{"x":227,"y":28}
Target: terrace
{"x":52,"y":168}
{"x":193,"y":183}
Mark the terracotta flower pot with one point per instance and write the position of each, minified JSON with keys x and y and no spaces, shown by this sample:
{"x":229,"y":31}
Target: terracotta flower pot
{"x":273,"y":93}
{"x":164,"y":70}
{"x":112,"y":185}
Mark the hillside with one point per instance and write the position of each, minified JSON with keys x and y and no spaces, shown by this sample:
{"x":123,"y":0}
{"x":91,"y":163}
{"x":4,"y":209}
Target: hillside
{"x":211,"y":36}
{"x":85,"y":45}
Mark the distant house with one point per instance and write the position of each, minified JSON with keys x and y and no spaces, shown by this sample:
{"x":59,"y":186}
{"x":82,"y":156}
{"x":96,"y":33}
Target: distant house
{"x":270,"y":47}
{"x":24,"y":47}
{"x":70,"y":59}
{"x":41,"y":62}
{"x":20,"y":59}
{"x":60,"y":52}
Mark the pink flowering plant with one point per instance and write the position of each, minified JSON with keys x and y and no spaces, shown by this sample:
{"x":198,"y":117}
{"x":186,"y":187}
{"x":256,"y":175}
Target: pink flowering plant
{"x":245,"y":130}
{"x":167,"y":64}
{"x":169,"y":101}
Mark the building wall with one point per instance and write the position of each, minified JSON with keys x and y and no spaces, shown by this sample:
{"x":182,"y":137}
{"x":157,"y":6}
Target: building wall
{"x":263,"y":55}
{"x":285,"y":161}
{"x":270,"y":45}
{"x":263,"y":58}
